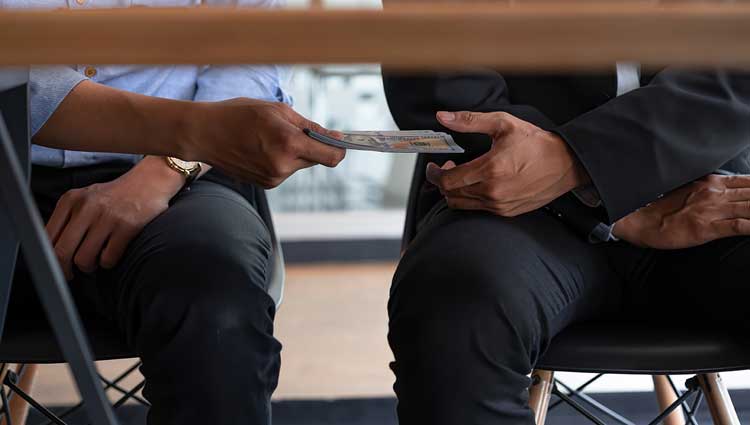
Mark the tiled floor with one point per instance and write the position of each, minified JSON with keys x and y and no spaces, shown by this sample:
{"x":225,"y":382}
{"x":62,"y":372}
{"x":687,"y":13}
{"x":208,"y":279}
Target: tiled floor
{"x":333,"y":326}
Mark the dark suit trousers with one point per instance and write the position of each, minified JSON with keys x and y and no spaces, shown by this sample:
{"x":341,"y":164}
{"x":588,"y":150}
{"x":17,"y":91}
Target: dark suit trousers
{"x":189,"y":296}
{"x":477,"y":299}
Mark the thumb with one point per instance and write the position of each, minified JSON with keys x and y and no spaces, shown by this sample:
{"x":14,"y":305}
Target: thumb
{"x":448,"y":165}
{"x":491,"y":123}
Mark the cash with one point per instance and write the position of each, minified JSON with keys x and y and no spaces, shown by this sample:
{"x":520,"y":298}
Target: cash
{"x":415,"y":141}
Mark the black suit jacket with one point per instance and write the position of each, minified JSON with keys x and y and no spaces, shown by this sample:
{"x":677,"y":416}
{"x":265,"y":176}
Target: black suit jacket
{"x":679,"y":126}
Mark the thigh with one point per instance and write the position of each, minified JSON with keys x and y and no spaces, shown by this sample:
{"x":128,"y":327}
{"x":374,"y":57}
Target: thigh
{"x":209,"y":247}
{"x":464,"y":266}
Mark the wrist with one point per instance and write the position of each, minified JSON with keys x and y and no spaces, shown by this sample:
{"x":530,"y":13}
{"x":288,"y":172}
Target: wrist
{"x":154,"y":176}
{"x":574,"y":174}
{"x":190,"y":129}
{"x":626,"y":229}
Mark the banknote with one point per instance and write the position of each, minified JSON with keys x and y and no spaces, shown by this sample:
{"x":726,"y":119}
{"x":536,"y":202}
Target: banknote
{"x":414,"y":141}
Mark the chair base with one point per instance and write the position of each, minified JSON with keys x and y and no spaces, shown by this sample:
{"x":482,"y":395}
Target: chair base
{"x":13,"y":410}
{"x":704,"y":385}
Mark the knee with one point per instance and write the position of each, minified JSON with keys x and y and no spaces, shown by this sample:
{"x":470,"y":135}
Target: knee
{"x":471,"y":285}
{"x":210,"y":278}
{"x":216,"y":251}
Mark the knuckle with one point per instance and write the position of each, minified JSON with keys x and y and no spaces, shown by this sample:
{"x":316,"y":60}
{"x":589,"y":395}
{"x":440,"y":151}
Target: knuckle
{"x":495,"y":194}
{"x":712,"y":179}
{"x":340,"y":156}
{"x":83,"y":262}
{"x":468,"y":117}
{"x":107,"y":260}
{"x":61,"y":254}
{"x":290,"y":147}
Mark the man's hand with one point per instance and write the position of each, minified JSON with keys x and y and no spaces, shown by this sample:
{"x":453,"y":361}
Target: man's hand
{"x":256,"y":140}
{"x":92,"y":226}
{"x":525,"y":169}
{"x":712,"y":208}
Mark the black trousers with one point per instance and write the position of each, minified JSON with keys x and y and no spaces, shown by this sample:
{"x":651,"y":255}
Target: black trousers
{"x":477,"y":299}
{"x":190,"y":297}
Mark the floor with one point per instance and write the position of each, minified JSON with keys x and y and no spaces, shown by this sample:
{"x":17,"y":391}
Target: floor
{"x":333,"y":325}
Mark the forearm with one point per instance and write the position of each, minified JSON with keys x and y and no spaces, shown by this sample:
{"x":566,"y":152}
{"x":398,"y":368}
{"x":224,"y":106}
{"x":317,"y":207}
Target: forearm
{"x":97,"y":118}
{"x":680,"y":127}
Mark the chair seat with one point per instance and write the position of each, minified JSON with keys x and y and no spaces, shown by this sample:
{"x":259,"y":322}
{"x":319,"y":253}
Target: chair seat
{"x":645,"y":348}
{"x":34,"y":342}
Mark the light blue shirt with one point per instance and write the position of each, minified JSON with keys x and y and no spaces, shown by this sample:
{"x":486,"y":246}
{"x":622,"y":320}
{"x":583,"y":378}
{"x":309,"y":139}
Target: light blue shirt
{"x":50,"y":85}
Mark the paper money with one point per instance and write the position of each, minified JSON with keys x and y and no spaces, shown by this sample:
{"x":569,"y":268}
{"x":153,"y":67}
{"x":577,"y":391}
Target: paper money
{"x":415,"y":141}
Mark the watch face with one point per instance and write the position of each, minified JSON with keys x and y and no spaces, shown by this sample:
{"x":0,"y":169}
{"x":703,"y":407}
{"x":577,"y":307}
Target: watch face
{"x":187,"y":165}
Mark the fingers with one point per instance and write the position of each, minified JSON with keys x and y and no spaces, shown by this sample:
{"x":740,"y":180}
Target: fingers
{"x":87,"y":255}
{"x":59,"y":218}
{"x":466,"y":174}
{"x":735,"y":195}
{"x":737,"y":181}
{"x":739,"y":209}
{"x":492,"y":123}
{"x":320,"y":153}
{"x":307,"y":148}
{"x":303,"y":123}
{"x":117,"y":245}
{"x":731,"y":227}
{"x":71,"y":237}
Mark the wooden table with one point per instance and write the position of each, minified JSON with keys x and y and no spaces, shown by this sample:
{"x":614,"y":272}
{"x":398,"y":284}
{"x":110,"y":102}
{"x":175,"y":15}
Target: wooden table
{"x":524,"y":36}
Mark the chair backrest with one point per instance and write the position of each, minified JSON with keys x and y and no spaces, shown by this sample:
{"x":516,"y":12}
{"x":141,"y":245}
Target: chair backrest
{"x":14,"y":109}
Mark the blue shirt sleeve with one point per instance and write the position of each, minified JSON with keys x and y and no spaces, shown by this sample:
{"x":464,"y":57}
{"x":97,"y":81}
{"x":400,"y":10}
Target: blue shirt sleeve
{"x":48,"y":87}
{"x":253,"y":81}
{"x":262,"y":82}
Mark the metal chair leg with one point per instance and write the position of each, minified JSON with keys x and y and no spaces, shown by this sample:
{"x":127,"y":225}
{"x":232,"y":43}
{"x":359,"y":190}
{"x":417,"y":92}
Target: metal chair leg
{"x":718,"y":400}
{"x":665,"y":397}
{"x":49,"y":281}
{"x":539,"y":394}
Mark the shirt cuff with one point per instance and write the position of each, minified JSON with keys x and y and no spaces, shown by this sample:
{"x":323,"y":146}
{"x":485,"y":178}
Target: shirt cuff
{"x":48,"y":87}
{"x":602,"y":233}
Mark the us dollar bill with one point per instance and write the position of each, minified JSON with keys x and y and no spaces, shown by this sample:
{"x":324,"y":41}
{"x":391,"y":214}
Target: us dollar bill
{"x":415,"y":141}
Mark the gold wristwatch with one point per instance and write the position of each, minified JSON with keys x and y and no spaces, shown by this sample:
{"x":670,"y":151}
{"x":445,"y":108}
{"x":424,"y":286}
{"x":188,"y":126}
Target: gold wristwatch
{"x":190,"y":169}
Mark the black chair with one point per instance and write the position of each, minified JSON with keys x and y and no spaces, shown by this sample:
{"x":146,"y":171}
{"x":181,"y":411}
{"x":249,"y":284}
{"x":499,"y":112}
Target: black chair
{"x":25,"y":343}
{"x":627,"y":348}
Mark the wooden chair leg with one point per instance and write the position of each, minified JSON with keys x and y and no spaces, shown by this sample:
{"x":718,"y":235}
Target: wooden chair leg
{"x":665,"y":396}
{"x":718,"y":400}
{"x":19,"y":409}
{"x":539,"y":394}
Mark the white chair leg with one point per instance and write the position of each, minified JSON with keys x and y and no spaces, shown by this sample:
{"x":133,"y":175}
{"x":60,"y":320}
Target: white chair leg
{"x":718,"y":400}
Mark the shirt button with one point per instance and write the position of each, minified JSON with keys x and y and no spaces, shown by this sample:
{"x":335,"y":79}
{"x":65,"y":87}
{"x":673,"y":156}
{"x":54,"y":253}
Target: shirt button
{"x":90,"y":72}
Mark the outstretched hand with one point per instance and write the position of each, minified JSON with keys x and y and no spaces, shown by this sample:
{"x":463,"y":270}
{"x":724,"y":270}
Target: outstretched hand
{"x":257,"y":141}
{"x":526,"y":168}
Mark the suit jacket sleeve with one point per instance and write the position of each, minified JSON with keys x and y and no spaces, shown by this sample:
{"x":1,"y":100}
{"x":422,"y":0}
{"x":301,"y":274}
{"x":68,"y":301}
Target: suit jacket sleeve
{"x":414,"y":100}
{"x":679,"y":127}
